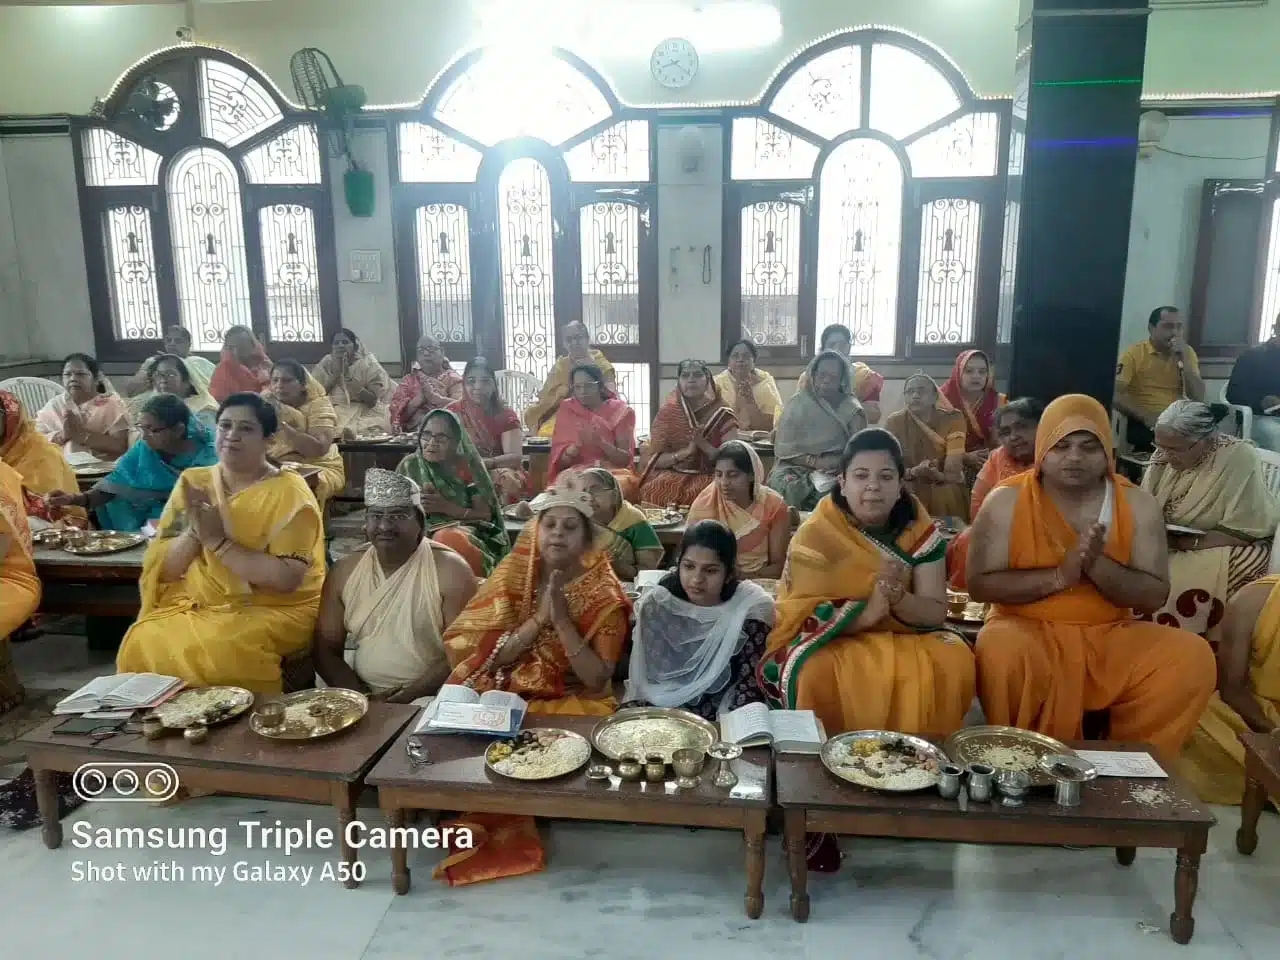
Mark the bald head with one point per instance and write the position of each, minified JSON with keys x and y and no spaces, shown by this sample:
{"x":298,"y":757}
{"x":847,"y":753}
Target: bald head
{"x":577,"y":340}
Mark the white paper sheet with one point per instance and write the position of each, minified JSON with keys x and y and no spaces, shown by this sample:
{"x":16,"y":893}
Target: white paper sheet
{"x":1119,"y":763}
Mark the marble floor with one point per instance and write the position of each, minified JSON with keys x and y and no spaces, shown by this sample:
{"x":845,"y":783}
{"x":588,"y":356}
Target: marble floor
{"x":615,"y":891}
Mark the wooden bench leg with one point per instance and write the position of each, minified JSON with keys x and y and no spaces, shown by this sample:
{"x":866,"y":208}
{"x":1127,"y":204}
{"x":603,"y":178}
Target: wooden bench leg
{"x":1250,"y":807}
{"x":797,"y":865}
{"x":399,"y":853}
{"x":344,"y":799}
{"x":1125,"y":855}
{"x":754,"y":830}
{"x":1186,"y":880}
{"x":47,"y":804}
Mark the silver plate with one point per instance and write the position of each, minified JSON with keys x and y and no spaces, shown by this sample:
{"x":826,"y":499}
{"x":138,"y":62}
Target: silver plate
{"x":884,"y":736}
{"x":208,"y":705}
{"x":629,"y":726}
{"x":969,"y":745}
{"x":586,"y":757}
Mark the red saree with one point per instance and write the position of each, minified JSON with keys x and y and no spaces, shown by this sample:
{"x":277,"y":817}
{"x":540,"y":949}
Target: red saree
{"x":486,"y":430}
{"x":615,"y":421}
{"x":506,"y":600}
{"x":980,"y":420}
{"x":231,"y":376}
{"x":672,"y":431}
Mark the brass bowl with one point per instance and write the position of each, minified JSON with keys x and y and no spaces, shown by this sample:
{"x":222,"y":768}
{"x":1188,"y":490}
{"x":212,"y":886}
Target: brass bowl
{"x":270,"y":714}
{"x":630,"y":769}
{"x":599,"y":771}
{"x":195,"y":733}
{"x":688,"y":761}
{"x":655,"y":768}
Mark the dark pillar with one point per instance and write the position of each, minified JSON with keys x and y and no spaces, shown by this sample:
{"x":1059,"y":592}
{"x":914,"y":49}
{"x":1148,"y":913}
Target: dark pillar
{"x":1081,"y":84}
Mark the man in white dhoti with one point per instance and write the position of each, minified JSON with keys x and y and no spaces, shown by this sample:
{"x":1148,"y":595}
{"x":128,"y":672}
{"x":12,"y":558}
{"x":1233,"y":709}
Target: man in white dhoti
{"x":394,"y":599}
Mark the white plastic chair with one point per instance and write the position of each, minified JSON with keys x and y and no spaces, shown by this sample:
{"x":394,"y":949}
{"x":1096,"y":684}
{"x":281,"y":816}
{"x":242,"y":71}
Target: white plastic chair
{"x":1271,"y":477}
{"x":519,"y":389}
{"x":32,"y":392}
{"x":1241,"y":415}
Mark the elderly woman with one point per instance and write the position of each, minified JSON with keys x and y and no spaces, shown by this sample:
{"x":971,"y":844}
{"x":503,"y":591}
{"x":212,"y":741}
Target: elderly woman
{"x":231,"y":583}
{"x":932,"y":439}
{"x":458,"y":497}
{"x":816,"y":424}
{"x":752,"y":394}
{"x":177,"y":343}
{"x":622,"y":531}
{"x":551,"y":621}
{"x":594,"y":428}
{"x":89,"y":417}
{"x":756,"y":515}
{"x":1211,"y":485}
{"x":685,"y":437}
{"x":308,"y":427}
{"x":701,"y":631}
{"x":244,"y":366}
{"x":431,"y":385}
{"x":494,"y":428}
{"x":135,"y":492}
{"x":41,"y":466}
{"x":357,"y":385}
{"x":541,"y":417}
{"x":169,"y":374}
{"x":867,"y":384}
{"x":971,"y":391}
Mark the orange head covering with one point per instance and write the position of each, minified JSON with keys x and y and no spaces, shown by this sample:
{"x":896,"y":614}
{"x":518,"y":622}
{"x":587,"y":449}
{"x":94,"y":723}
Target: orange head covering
{"x":1070,"y":414}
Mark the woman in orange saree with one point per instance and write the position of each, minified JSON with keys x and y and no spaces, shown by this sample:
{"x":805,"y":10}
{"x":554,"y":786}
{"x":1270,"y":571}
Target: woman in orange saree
{"x":859,"y":637}
{"x":686,"y":435}
{"x":551,"y":620}
{"x":756,"y":516}
{"x":1016,"y":424}
{"x":971,"y":391}
{"x":594,"y":428}
{"x":244,"y":366}
{"x":494,"y":428}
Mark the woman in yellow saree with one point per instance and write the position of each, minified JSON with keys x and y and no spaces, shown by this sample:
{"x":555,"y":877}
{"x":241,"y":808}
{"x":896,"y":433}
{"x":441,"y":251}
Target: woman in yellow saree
{"x":932,"y":439}
{"x":19,"y":585}
{"x":308,"y":427}
{"x":550,"y":622}
{"x":1248,"y":695}
{"x":231,"y":584}
{"x":861,"y":608}
{"x":40,"y":464}
{"x":357,"y":385}
{"x":751,"y":393}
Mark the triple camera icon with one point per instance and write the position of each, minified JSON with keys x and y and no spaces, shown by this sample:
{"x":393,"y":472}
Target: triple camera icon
{"x":140,"y":782}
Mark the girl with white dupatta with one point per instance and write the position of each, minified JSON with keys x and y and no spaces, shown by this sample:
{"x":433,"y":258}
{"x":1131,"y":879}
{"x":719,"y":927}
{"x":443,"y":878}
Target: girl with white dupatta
{"x":700,"y":633}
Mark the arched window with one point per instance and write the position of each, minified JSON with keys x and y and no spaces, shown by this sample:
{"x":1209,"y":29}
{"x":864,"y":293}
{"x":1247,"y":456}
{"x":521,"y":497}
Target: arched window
{"x":204,"y":197}
{"x":524,"y":197}
{"x":866,"y":189}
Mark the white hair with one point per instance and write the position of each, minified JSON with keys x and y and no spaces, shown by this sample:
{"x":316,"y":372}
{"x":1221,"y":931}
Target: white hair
{"x":1188,"y":418}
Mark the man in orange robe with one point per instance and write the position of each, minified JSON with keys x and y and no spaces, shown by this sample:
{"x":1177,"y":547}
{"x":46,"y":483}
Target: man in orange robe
{"x":1066,"y":553}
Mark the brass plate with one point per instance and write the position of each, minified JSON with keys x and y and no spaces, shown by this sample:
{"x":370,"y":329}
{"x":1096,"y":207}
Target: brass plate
{"x":640,"y":731}
{"x":104,"y":541}
{"x":973,"y":613}
{"x":309,"y":714}
{"x":578,"y":754}
{"x":839,"y":746}
{"x":658,"y":517}
{"x":374,"y":438}
{"x":207,"y":705}
{"x":538,"y":441}
{"x":511,"y":514}
{"x":974,"y":745}
{"x":93,"y":469}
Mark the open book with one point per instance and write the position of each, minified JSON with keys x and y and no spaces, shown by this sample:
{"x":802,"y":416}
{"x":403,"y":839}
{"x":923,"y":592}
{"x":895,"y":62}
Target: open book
{"x":787,"y":731}
{"x":120,"y":691}
{"x":459,"y":709}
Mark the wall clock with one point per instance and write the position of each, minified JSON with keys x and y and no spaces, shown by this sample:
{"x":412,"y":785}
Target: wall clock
{"x":674,"y":63}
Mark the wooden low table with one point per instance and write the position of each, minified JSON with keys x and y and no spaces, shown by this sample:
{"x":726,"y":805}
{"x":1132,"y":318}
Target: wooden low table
{"x":456,"y":780}
{"x":814,"y":801}
{"x":1261,"y":779}
{"x":359,"y":455}
{"x":234,"y":760}
{"x":101,"y":586}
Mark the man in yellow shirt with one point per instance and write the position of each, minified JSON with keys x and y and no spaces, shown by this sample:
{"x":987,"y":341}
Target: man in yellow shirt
{"x":1154,"y":373}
